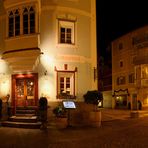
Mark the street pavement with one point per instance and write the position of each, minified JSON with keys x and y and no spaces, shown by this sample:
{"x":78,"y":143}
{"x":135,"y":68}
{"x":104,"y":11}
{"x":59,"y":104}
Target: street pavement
{"x":117,"y":130}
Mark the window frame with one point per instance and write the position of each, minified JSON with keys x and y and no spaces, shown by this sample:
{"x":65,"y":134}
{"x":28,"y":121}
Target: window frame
{"x":66,"y":24}
{"x":121,"y":80}
{"x":131,"y":78}
{"x":70,"y":92}
{"x":31,"y":30}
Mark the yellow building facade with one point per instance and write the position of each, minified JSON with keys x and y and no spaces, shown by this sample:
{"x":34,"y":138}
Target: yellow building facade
{"x":47,"y":48}
{"x":130,"y":70}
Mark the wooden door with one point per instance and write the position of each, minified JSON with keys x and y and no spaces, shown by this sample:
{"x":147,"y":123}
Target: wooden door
{"x":25,"y":90}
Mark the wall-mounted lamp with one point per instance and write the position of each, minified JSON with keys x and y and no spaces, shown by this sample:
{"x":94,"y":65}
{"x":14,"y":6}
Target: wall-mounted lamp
{"x":45,"y":73}
{"x":41,"y":52}
{"x":95,"y":73}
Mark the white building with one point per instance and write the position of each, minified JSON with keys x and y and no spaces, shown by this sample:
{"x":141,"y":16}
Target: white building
{"x":47,"y":48}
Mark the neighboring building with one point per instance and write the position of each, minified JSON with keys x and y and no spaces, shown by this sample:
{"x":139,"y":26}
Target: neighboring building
{"x":105,"y":77}
{"x":130,"y":70}
{"x":47,"y":48}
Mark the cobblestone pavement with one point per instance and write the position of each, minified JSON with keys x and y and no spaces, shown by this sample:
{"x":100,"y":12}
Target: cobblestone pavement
{"x":117,"y":133}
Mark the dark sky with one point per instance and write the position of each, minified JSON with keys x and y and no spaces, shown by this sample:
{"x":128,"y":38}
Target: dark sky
{"x":117,"y":17}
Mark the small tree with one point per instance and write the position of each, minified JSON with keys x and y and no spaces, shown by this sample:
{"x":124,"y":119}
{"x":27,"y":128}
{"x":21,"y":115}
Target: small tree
{"x":93,"y":97}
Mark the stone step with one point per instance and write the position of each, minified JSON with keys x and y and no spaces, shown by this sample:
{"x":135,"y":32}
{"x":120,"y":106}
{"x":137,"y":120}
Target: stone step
{"x":27,"y":111}
{"x":27,"y":119}
{"x":27,"y":108}
{"x":35,"y":125}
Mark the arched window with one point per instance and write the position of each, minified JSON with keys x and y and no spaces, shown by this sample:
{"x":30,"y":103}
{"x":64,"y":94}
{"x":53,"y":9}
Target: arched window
{"x":28,"y":21}
{"x":32,"y":20}
{"x":25,"y":21}
{"x":17,"y":23}
{"x":27,"y":16}
{"x":11,"y":24}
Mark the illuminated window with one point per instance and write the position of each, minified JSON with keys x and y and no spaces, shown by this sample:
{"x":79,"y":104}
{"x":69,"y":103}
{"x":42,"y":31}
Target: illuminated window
{"x":65,"y":84}
{"x":66,"y":32}
{"x":144,"y":71}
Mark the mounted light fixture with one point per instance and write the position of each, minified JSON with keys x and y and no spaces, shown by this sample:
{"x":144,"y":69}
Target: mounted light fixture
{"x":95,"y":73}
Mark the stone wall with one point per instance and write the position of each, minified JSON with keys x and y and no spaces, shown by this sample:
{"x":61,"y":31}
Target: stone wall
{"x":78,"y":116}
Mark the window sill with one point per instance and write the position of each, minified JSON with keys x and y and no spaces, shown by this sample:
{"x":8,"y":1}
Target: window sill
{"x":22,"y":36}
{"x":66,"y":96}
{"x":73,"y":46}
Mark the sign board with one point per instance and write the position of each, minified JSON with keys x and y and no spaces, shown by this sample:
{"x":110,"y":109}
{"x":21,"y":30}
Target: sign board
{"x":69,"y":104}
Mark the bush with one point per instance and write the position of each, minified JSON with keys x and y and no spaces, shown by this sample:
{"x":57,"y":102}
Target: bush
{"x":93,"y":97}
{"x":60,"y":111}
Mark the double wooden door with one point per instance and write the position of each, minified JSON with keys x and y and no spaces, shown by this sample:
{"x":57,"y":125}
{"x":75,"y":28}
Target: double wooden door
{"x":25,"y":90}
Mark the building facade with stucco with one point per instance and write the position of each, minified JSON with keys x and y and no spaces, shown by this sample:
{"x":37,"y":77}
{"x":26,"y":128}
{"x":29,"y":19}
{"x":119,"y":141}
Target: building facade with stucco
{"x":130,"y":70}
{"x":47,"y":48}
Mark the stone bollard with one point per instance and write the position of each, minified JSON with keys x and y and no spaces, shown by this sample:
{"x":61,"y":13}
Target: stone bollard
{"x":134,"y":114}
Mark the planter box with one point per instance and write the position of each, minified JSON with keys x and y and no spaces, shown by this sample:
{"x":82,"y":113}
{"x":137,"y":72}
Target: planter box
{"x":61,"y":122}
{"x":95,"y":118}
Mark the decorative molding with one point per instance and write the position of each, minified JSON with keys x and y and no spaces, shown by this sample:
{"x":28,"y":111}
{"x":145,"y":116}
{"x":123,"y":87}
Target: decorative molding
{"x":65,"y":69}
{"x":14,"y":3}
{"x":73,"y":58}
{"x":66,"y":9}
{"x":66,"y":17}
{"x":121,"y":90}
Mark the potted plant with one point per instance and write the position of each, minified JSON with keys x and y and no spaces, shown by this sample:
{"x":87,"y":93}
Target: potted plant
{"x":94,"y":97}
{"x":60,"y":116}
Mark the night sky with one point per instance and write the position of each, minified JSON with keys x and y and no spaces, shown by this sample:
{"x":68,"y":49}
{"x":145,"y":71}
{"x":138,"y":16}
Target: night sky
{"x":118,"y":17}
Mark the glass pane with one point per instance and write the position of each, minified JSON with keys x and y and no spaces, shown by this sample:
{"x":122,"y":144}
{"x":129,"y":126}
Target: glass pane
{"x":31,"y":9}
{"x":62,"y":30}
{"x":25,"y":10}
{"x":32,"y":23}
{"x":62,"y":79}
{"x":19,"y":87}
{"x":17,"y":25}
{"x":30,"y":87}
{"x":25,"y":24}
{"x":11,"y":27}
{"x":69,"y":30}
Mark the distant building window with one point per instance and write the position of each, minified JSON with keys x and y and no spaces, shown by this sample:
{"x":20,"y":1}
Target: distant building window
{"x":144,"y":72}
{"x":120,"y":46}
{"x":131,"y":78}
{"x":121,"y":63}
{"x":121,"y":80}
{"x":26,"y":18}
{"x":66,"y":32}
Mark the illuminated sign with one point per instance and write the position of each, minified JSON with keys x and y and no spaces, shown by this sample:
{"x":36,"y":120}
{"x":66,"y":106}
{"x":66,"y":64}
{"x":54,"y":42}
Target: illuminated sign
{"x":69,"y":104}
